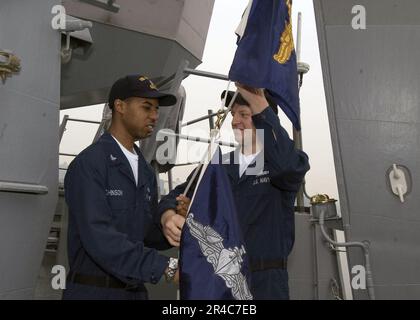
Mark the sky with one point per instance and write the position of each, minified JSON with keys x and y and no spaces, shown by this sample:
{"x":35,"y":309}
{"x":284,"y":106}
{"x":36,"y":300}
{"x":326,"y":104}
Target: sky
{"x":204,"y":94}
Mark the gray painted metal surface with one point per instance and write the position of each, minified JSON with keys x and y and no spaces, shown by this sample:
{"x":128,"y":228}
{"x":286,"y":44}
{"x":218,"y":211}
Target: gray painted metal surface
{"x":29,"y":113}
{"x":312,"y":264}
{"x":148,"y":37}
{"x":184,"y":21}
{"x":371,"y":78}
{"x":88,"y":77}
{"x":56,"y":254}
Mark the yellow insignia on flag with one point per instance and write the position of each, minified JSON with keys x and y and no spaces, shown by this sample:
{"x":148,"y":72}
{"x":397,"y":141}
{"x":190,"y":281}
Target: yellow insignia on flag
{"x":286,"y":40}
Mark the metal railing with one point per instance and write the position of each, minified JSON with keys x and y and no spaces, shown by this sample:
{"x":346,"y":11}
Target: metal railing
{"x":19,"y":187}
{"x":66,"y":119}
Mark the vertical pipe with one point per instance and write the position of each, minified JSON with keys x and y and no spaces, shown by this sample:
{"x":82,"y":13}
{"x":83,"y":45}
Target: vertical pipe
{"x":297,"y":135}
{"x":298,"y":37}
{"x":63,"y":127}
{"x":170,"y":185}
{"x":156,"y":168}
{"x":211,"y":121}
{"x":297,"y":138}
{"x":364,"y":245}
{"x":315,"y":261}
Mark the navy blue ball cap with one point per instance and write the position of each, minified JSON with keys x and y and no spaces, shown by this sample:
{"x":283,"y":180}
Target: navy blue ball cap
{"x":138,"y":86}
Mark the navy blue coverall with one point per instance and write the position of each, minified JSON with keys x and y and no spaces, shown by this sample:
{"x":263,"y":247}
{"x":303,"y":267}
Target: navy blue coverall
{"x":113,"y":225}
{"x":265,"y":206}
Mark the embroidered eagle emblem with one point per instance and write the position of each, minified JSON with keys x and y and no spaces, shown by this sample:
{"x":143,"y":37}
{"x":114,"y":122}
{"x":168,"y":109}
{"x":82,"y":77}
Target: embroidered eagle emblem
{"x":226,"y":262}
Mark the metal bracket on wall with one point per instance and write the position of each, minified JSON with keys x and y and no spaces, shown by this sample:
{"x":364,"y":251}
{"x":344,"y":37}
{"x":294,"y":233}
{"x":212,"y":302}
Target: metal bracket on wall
{"x":399,"y":181}
{"x":9,"y":64}
{"x":78,"y":29}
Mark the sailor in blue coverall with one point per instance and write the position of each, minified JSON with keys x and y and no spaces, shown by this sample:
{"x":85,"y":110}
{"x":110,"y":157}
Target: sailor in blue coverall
{"x":264,"y":199}
{"x":111,"y":193}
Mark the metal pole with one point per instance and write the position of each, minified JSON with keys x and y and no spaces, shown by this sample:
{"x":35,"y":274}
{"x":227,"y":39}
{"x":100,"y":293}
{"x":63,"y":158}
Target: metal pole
{"x":316,"y":268}
{"x":297,"y":135}
{"x":170,"y":184}
{"x":85,"y":121}
{"x":214,"y":114}
{"x":297,"y":138}
{"x":298,"y":37}
{"x":68,"y":154}
{"x":63,"y":127}
{"x":206,"y":74}
{"x":184,"y":71}
{"x":156,"y":168}
{"x":210,"y":115}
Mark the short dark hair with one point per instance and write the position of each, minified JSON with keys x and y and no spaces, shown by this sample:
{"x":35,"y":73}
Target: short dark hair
{"x":241,"y":100}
